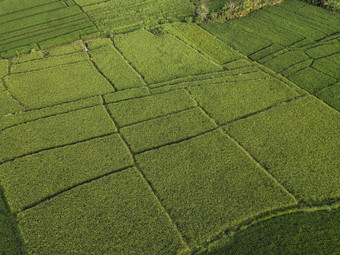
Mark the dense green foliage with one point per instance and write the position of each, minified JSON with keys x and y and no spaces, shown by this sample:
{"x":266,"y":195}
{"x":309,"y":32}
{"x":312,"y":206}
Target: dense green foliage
{"x":297,"y":233}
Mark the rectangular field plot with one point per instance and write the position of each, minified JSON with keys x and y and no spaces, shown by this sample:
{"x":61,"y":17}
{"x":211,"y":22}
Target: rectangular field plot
{"x":331,"y":96}
{"x":54,"y":131}
{"x":226,"y":102}
{"x":208,"y":184}
{"x":168,"y":129}
{"x":203,"y":41}
{"x":3,"y":67}
{"x":299,"y":144}
{"x":30,"y":179}
{"x":163,"y":57}
{"x":115,"y":68}
{"x":59,"y":84}
{"x":39,"y":22}
{"x":312,"y":80}
{"x":149,"y":107}
{"x":120,"y":15}
{"x":116,"y":214}
{"x":239,"y":39}
{"x":285,"y":60}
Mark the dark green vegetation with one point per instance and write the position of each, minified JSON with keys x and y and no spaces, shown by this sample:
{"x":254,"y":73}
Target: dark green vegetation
{"x":315,"y":232}
{"x":167,"y":138}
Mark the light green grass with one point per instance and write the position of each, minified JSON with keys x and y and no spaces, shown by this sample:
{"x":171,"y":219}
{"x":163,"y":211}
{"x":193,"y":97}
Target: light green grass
{"x":52,"y":171}
{"x":208,"y":184}
{"x":159,"y":51}
{"x":54,"y":131}
{"x":299,"y":144}
{"x":116,"y":214}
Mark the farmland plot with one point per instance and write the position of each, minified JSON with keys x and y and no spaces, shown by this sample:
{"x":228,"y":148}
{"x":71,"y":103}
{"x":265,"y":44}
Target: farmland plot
{"x":308,"y":54}
{"x":164,"y":139}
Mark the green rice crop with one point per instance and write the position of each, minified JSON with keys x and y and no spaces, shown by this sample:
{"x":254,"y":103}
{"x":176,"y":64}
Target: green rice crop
{"x":331,"y":96}
{"x":329,"y":65}
{"x":286,"y":60}
{"x":115,"y":68}
{"x":54,"y":131}
{"x":116,"y":214}
{"x":168,"y":129}
{"x":299,"y":144}
{"x":28,"y":116}
{"x":312,"y":80}
{"x":208,"y":184}
{"x":297,"y":233}
{"x":235,"y":100}
{"x":48,"y":62}
{"x":203,"y":41}
{"x":10,"y":242}
{"x":3,"y":67}
{"x":65,"y":83}
{"x":239,"y":39}
{"x":8,"y":104}
{"x":53,"y":171}
{"x":158,"y":51}
{"x":145,"y":108}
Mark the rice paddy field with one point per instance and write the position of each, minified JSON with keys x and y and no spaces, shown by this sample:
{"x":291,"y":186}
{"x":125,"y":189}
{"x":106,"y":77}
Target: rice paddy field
{"x":126,"y":130}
